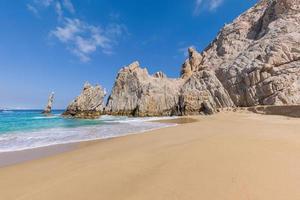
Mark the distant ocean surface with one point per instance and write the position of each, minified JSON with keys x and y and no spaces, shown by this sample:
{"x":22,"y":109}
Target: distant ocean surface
{"x":27,"y":129}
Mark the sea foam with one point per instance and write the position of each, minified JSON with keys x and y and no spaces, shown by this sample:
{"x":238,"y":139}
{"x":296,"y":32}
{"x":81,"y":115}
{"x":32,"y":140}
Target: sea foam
{"x":109,"y":127}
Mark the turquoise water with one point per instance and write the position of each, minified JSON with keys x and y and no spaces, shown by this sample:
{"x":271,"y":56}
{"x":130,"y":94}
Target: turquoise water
{"x":26,"y":129}
{"x":29,"y":120}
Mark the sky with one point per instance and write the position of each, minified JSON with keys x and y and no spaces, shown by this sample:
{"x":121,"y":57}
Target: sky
{"x":58,"y":45}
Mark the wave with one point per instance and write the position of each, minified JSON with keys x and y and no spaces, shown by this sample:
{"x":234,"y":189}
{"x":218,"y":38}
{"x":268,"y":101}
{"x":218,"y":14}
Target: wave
{"x":46,"y":117}
{"x":18,"y":141}
{"x":121,"y":119}
{"x":6,"y":111}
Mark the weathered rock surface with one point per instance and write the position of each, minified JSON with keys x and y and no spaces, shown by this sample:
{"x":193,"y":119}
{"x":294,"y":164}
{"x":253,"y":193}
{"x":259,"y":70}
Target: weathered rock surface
{"x":284,"y":110}
{"x":137,"y":93}
{"x":253,"y":61}
{"x":203,"y":93}
{"x":48,"y":107}
{"x":89,"y":104}
{"x":257,"y":57}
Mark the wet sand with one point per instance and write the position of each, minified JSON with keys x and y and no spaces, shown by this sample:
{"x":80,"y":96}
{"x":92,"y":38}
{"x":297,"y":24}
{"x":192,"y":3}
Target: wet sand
{"x":16,"y":157}
{"x":226,"y":156}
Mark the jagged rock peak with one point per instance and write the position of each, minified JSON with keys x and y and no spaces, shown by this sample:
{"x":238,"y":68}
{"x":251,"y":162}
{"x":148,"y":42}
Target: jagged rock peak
{"x":137,"y":93}
{"x":87,"y":86}
{"x":160,"y":74}
{"x":89,"y":104}
{"x":48,"y":107}
{"x":133,"y":66}
{"x":192,"y":64}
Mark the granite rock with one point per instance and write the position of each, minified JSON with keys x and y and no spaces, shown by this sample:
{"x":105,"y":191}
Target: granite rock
{"x":257,"y":57}
{"x":48,"y":107}
{"x":137,"y":93}
{"x":89,"y":104}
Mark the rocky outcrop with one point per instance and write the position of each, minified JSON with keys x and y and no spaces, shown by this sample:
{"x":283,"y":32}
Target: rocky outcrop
{"x":253,"y":61}
{"x":203,"y":93}
{"x":192,"y":64}
{"x":284,"y":110}
{"x":137,"y":93}
{"x":89,"y":104}
{"x":257,"y":57}
{"x":48,"y":107}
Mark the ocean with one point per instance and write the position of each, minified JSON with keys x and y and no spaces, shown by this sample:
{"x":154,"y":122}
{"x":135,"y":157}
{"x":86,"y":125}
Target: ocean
{"x":27,"y":129}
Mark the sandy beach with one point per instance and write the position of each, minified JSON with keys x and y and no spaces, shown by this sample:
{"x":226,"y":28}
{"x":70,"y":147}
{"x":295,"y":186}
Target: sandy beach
{"x":228,"y":156}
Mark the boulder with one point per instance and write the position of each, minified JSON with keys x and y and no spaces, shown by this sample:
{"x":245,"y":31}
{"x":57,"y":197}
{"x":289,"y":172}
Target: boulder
{"x":203,"y":93}
{"x":89,"y":104}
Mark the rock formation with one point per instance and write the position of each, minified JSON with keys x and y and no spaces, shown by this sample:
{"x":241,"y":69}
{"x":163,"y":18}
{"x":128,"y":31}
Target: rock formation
{"x":257,"y":57}
{"x":48,"y":107}
{"x":203,"y":93}
{"x":253,"y":61}
{"x":89,"y":104}
{"x":137,"y":93}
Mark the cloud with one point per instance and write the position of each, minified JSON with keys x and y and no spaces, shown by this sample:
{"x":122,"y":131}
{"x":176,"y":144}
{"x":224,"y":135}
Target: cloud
{"x":83,"y":39}
{"x":44,"y":3}
{"x":80,"y":38}
{"x":59,"y":6}
{"x":33,"y":9}
{"x":209,"y":5}
{"x":214,"y":4}
{"x":58,"y":10}
{"x":69,"y":6}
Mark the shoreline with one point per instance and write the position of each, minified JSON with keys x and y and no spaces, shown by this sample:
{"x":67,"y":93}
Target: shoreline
{"x":26,"y":155}
{"x":225,"y":156}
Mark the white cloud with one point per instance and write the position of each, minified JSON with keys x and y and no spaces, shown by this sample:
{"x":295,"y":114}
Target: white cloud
{"x":214,"y":4}
{"x":59,"y":6}
{"x":83,"y":39}
{"x":45,"y":3}
{"x":69,"y":6}
{"x":32,"y":9}
{"x":58,"y":10}
{"x":198,"y":5}
{"x":210,"y":5}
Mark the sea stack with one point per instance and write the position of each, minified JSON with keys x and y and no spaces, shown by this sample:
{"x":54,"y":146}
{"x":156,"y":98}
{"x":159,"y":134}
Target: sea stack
{"x":48,"y":107}
{"x":89,"y":104}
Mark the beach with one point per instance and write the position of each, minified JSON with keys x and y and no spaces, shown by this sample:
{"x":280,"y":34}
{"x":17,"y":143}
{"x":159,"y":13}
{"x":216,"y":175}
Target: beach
{"x":225,"y":156}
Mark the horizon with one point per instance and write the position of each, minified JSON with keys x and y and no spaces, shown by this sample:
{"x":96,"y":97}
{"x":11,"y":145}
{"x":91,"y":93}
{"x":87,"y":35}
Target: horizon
{"x":66,"y":43}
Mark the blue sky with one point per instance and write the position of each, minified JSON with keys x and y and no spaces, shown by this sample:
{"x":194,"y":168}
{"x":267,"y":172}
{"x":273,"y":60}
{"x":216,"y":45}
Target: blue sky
{"x":57,"y":45}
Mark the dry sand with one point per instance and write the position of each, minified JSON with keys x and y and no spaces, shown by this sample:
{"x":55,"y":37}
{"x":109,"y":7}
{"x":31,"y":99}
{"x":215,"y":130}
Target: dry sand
{"x":227,"y":156}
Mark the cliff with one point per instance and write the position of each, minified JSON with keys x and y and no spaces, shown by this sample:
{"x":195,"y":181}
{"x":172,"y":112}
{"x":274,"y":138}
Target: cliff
{"x":253,"y":61}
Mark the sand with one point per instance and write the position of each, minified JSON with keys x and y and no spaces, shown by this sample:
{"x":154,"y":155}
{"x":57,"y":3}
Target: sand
{"x":226,"y":156}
